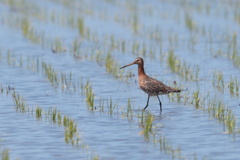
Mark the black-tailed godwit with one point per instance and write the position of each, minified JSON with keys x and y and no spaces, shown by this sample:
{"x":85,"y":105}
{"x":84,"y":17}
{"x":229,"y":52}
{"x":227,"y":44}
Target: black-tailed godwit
{"x":150,"y":85}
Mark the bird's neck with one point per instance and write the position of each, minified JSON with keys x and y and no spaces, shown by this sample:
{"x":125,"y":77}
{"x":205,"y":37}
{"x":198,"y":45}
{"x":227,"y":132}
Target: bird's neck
{"x":141,"y":70}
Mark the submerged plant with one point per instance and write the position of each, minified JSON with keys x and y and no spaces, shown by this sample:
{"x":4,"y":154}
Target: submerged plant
{"x":184,"y":70}
{"x":51,"y":74}
{"x":233,"y":86}
{"x":32,"y":34}
{"x":38,"y":112}
{"x":196,"y":100}
{"x":54,"y":116}
{"x":147,"y":123}
{"x":5,"y":154}
{"x":218,"y":80}
{"x":57,"y":46}
{"x":20,"y":104}
{"x":166,"y":147}
{"x":111,"y":106}
{"x":190,"y":23}
{"x":89,"y":95}
{"x":218,"y":110}
{"x":81,"y":26}
{"x":112,"y":67}
{"x":129,"y":109}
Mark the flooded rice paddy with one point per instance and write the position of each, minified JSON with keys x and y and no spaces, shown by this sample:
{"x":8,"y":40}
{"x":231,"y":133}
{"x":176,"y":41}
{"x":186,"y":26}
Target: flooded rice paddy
{"x":64,"y":97}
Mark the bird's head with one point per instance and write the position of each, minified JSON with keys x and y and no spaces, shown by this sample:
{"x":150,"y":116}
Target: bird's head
{"x":137,"y":61}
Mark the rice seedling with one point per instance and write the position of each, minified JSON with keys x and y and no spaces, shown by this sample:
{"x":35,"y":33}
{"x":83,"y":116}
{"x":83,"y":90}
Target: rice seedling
{"x":172,"y":61}
{"x":58,"y":79}
{"x":173,"y":40}
{"x":59,"y":117}
{"x":230,"y":121}
{"x":232,"y":52}
{"x":71,"y":132}
{"x":2,"y":90}
{"x":63,"y":79}
{"x":38,"y":112}
{"x":218,"y":81}
{"x":135,"y":23}
{"x":89,"y":96}
{"x":5,"y":154}
{"x":179,"y":97}
{"x":111,"y":106}
{"x":19,"y":103}
{"x":76,"y":46}
{"x":152,"y":52}
{"x":21,"y":61}
{"x":9,"y":57}
{"x":149,"y":131}
{"x":96,"y":157}
{"x":142,"y":49}
{"x":70,"y":126}
{"x":112,"y":67}
{"x":81,"y":26}
{"x":8,"y":90}
{"x":123,"y":46}
{"x":31,"y":34}
{"x":192,"y":43}
{"x":51,"y":74}
{"x":190,"y":23}
{"x":165,"y":146}
{"x":135,"y":47}
{"x":112,"y":42}
{"x":129,"y":109}
{"x":146,"y":124}
{"x":237,"y":17}
{"x":57,"y":46}
{"x":21,"y":5}
{"x":101,"y":105}
{"x":110,"y":64}
{"x":67,"y":81}
{"x":196,"y":100}
{"x":213,"y":106}
{"x":99,"y":57}
{"x":52,"y":115}
{"x":65,"y":120}
{"x":184,"y":70}
{"x":233,"y":86}
{"x":218,"y":110}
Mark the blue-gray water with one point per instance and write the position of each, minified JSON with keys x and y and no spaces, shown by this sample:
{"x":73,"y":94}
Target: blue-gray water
{"x":115,"y":136}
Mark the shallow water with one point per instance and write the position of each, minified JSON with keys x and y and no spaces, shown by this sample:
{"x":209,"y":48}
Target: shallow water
{"x":116,"y":27}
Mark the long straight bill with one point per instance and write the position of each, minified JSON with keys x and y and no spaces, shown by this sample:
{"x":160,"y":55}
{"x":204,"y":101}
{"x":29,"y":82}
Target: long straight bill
{"x":127,"y":65}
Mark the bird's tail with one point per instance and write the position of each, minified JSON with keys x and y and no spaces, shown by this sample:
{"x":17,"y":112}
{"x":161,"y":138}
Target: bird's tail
{"x":178,"y":90}
{"x":174,"y":90}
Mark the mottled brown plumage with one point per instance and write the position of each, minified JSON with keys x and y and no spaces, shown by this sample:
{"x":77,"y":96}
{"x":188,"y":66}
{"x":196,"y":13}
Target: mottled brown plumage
{"x":150,"y":85}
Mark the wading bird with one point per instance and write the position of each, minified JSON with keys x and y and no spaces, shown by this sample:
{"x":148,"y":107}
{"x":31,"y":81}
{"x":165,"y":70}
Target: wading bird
{"x":149,"y":85}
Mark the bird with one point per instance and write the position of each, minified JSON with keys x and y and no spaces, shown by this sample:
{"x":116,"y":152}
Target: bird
{"x":150,"y":85}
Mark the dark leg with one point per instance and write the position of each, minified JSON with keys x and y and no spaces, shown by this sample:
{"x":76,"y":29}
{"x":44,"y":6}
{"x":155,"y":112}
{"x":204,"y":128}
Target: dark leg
{"x":160,"y":103}
{"x":147,"y":102}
